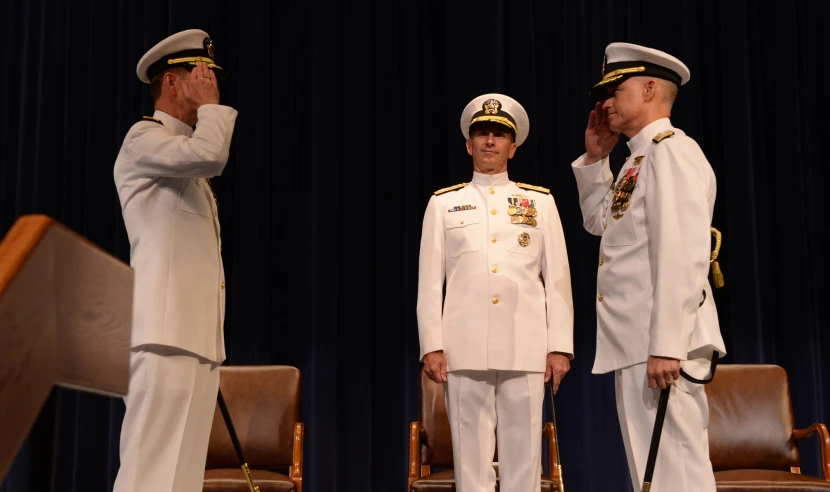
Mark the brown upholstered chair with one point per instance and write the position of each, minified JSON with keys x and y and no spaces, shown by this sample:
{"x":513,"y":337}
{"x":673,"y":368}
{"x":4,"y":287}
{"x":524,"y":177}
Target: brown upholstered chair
{"x":264,"y":404}
{"x":752,"y":435}
{"x":430,"y":446}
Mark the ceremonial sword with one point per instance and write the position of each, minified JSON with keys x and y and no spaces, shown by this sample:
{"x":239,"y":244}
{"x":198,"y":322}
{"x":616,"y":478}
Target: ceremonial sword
{"x":663,"y":404}
{"x":556,"y":438}
{"x":236,"y":446}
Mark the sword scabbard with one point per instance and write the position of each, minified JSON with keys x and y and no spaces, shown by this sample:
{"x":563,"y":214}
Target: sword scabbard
{"x":243,"y":463}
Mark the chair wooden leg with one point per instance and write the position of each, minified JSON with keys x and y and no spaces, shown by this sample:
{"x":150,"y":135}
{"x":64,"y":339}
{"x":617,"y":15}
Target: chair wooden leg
{"x":414,"y":453}
{"x":295,"y":471}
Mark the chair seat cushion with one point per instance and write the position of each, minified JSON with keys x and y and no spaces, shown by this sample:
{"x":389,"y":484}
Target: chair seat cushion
{"x":233,"y":480}
{"x":768,"y":480}
{"x":444,"y":481}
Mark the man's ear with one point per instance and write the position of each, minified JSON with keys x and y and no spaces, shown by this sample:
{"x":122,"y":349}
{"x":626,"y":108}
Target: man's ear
{"x":168,"y":83}
{"x":470,"y":146}
{"x":649,"y":90}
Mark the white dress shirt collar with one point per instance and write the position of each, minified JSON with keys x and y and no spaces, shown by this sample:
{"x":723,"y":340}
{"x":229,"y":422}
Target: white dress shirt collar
{"x":490,"y":179}
{"x":641,"y":139}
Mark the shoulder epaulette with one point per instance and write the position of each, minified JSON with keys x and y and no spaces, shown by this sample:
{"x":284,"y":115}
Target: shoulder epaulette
{"x":660,"y":136}
{"x":150,"y":118}
{"x":534,"y":188}
{"x":450,"y":188}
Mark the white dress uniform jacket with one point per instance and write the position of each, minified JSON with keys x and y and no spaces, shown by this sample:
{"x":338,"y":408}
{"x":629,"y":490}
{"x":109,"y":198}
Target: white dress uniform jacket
{"x":507,"y":305}
{"x":654,"y":256}
{"x":173,"y":226}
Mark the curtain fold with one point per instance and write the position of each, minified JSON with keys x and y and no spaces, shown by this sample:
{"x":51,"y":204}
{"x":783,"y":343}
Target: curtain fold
{"x":348,"y":121}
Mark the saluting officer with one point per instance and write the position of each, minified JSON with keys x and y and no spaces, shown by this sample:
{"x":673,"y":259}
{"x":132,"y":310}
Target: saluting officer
{"x":654,"y":303}
{"x":162,"y":176}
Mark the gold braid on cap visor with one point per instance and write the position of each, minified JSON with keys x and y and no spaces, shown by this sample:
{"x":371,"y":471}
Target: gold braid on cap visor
{"x":498,"y":119}
{"x":193,"y":60}
{"x":617,"y":74}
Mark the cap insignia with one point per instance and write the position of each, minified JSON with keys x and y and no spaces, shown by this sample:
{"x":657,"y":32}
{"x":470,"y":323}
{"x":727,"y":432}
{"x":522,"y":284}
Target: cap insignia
{"x":209,"y":47}
{"x":491,"y":106}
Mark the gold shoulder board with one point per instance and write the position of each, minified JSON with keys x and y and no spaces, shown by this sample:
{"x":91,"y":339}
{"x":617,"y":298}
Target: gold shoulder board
{"x":150,"y":118}
{"x":660,"y":136}
{"x":450,"y":188}
{"x":534,"y":188}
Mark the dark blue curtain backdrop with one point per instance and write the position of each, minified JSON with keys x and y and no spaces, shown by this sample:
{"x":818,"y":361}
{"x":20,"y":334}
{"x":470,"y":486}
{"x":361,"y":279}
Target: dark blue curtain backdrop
{"x":348,"y":120}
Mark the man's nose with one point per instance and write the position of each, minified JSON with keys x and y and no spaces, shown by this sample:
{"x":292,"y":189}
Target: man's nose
{"x":606,"y":104}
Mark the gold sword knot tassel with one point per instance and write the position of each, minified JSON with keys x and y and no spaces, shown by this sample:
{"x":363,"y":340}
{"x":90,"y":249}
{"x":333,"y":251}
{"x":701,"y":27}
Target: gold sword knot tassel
{"x":717,"y":274}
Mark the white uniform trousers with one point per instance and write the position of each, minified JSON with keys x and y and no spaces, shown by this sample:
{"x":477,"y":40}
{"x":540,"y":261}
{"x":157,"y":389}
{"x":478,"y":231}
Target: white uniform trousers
{"x":483,"y":404}
{"x":164,"y":437}
{"x":683,"y":455}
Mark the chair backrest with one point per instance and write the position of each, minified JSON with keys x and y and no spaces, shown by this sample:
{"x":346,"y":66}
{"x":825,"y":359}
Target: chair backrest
{"x":264,"y":405}
{"x":750,"y":418}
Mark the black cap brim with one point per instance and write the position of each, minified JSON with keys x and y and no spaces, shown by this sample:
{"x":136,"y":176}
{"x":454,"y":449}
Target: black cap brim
{"x":617,"y":73}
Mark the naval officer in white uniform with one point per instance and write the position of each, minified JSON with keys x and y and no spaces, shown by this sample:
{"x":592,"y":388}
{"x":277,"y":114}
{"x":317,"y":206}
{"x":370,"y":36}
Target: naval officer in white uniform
{"x":505,"y":325}
{"x":162,"y":176}
{"x":655,"y":310}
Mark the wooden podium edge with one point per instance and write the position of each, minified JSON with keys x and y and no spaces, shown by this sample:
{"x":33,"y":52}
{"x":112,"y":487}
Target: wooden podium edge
{"x":26,"y":232}
{"x":29,"y":236}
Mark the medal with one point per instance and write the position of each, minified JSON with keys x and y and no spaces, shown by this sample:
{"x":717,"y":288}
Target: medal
{"x":624,"y":189}
{"x":521,"y":219}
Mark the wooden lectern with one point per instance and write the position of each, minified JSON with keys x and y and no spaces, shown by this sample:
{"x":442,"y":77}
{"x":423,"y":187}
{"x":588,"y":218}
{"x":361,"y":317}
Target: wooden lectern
{"x":65,"y":320}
